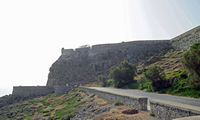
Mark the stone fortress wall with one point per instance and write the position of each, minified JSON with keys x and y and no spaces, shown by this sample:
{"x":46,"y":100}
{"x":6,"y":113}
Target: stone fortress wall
{"x":186,"y":39}
{"x":100,"y":58}
{"x":180,"y":42}
{"x":35,"y":91}
{"x":83,"y":65}
{"x":26,"y":91}
{"x":132,"y":46}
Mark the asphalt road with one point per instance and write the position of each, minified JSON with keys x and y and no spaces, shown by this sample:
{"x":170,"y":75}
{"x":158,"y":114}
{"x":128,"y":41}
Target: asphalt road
{"x":152,"y":96}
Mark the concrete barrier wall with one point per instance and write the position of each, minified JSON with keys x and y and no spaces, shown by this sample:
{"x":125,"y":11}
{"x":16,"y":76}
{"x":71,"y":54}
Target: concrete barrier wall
{"x":164,"y":110}
{"x":139,"y":103}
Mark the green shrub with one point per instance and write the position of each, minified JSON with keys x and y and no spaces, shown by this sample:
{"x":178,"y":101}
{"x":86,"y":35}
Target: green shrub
{"x":146,"y":85}
{"x":122,"y":74}
{"x":192,"y":62}
{"x":182,"y":88}
{"x":154,"y":79}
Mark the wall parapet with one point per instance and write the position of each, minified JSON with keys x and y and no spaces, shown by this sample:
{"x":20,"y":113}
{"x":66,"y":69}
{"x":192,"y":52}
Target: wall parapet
{"x":189,"y":118}
{"x":139,"y":103}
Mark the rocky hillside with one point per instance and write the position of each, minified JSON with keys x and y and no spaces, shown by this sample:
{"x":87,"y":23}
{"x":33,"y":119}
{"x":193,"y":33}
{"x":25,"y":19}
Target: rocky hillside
{"x":83,"y":65}
{"x":75,"y":105}
{"x":170,"y":62}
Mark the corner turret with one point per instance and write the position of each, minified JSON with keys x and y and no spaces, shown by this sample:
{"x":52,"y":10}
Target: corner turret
{"x":67,"y":52}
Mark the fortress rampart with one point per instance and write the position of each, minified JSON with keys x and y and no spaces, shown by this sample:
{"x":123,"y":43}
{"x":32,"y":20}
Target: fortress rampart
{"x":83,"y":65}
{"x":125,"y":46}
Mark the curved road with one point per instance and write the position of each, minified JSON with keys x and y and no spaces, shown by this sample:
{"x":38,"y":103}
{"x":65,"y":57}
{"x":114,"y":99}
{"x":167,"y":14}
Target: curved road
{"x":152,"y":96}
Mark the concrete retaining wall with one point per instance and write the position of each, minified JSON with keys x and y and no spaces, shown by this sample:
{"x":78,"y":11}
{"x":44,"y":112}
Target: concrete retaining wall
{"x":164,"y":110}
{"x":139,"y":103}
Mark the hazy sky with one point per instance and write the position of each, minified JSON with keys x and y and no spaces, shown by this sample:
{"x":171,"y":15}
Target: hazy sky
{"x":32,"y":33}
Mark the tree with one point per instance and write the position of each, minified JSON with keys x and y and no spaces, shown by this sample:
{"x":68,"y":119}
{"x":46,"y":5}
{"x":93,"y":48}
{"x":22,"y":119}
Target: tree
{"x":192,"y":63}
{"x":122,"y":74}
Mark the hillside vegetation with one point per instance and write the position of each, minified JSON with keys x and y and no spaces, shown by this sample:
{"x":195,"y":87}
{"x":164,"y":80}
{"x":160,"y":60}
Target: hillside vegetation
{"x":119,"y":75}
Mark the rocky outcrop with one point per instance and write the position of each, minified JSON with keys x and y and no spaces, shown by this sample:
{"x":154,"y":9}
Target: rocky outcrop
{"x":83,"y":65}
